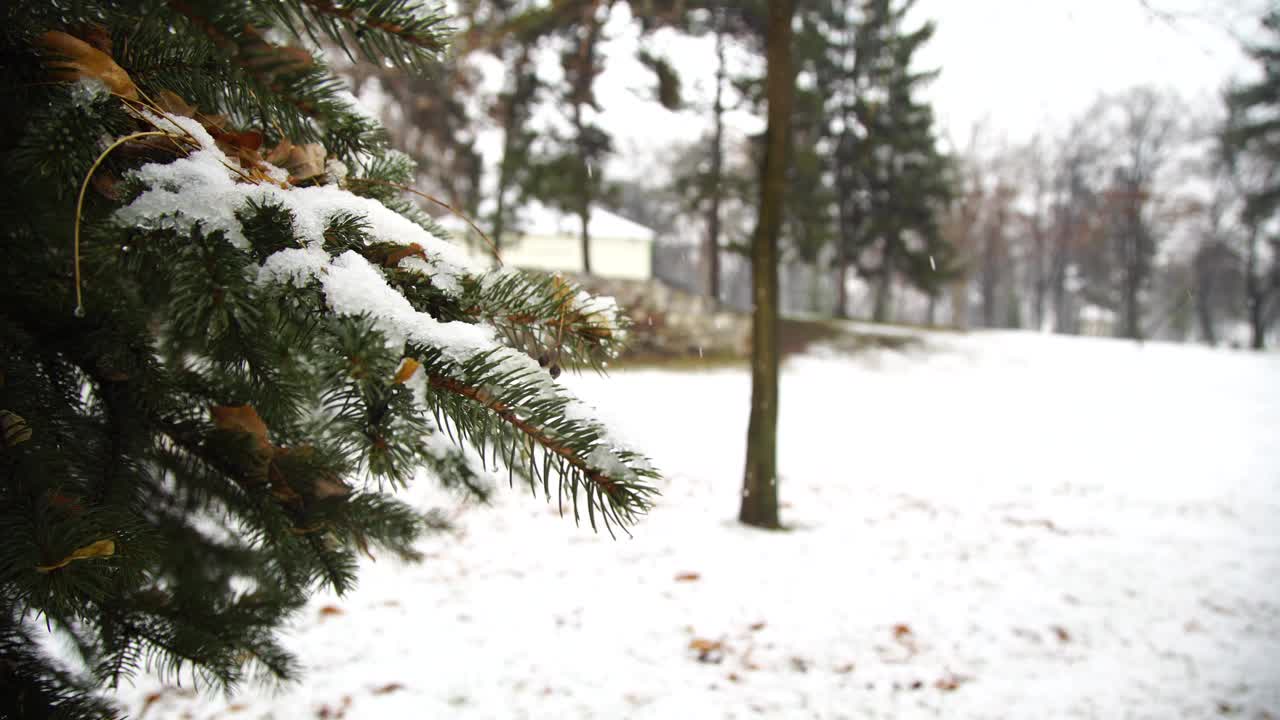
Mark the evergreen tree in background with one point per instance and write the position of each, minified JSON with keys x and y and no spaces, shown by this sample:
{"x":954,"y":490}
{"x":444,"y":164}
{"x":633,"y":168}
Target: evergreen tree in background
{"x":569,"y":174}
{"x":1250,"y":150}
{"x":892,"y":179}
{"x":513,"y":36}
{"x":225,"y":333}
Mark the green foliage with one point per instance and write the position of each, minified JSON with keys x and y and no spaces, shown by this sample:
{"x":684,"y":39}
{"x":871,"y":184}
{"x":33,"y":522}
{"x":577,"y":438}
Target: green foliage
{"x":891,"y":179}
{"x":193,"y":446}
{"x":1252,"y":129}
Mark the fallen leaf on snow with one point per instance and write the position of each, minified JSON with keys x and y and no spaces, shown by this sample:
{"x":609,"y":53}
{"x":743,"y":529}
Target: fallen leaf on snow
{"x":331,"y":610}
{"x":148,"y":701}
{"x":687,"y":576}
{"x":388,"y":688}
{"x":709,"y":651}
{"x":951,"y":681}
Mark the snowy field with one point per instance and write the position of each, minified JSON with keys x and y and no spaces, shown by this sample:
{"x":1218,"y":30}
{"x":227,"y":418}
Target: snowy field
{"x":993,"y":525}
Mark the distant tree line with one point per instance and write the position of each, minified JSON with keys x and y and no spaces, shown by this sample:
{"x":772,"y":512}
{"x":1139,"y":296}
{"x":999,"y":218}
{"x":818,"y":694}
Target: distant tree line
{"x":1138,"y":219}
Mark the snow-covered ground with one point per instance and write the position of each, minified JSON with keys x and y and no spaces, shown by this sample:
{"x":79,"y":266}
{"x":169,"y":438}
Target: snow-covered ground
{"x":993,"y":525}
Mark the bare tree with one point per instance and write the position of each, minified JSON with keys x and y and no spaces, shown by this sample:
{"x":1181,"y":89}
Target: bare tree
{"x":1144,"y":127}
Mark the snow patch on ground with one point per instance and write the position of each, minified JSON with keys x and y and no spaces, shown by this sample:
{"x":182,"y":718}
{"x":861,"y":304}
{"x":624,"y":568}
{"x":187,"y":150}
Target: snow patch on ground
{"x":991,"y":525}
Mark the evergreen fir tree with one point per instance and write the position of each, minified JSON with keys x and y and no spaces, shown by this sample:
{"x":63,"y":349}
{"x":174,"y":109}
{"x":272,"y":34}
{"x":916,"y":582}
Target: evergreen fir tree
{"x":892,"y":179}
{"x":1250,"y":149}
{"x":226,"y":333}
{"x":568,"y":173}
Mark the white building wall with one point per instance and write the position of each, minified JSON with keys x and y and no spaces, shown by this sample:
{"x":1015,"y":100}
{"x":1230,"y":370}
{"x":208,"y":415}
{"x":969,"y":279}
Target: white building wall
{"x":629,"y":258}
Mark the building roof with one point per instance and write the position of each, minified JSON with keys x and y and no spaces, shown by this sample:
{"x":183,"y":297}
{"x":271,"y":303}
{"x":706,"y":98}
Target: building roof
{"x":538,"y":220}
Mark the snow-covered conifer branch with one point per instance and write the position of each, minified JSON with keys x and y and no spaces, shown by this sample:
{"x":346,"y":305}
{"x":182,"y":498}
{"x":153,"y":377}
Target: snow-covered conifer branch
{"x":471,"y":330}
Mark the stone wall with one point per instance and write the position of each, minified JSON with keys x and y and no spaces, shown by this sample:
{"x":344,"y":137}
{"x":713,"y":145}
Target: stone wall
{"x":667,"y":322}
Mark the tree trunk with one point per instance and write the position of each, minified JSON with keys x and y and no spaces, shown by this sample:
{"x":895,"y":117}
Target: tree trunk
{"x":1254,"y":295}
{"x":1063,"y":312}
{"x":1132,"y":311}
{"x":581,"y":96}
{"x":993,"y":256}
{"x":512,"y":115}
{"x":842,"y":290}
{"x":1131,"y":283}
{"x":960,"y":301}
{"x":1204,"y":313}
{"x":584,"y":196}
{"x":760,"y":491}
{"x":884,"y":289}
{"x":1040,"y":285}
{"x":585,"y":215}
{"x":717,"y":169}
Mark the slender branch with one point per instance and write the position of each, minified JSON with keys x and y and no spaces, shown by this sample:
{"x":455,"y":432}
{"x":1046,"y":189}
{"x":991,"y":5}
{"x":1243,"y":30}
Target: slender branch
{"x":505,"y":412}
{"x":350,"y":15}
{"x":492,"y":248}
{"x":236,"y":50}
{"x":84,"y":186}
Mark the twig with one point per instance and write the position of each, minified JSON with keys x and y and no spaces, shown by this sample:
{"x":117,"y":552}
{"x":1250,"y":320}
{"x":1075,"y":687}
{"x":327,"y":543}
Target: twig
{"x":503,"y":411}
{"x":349,"y":14}
{"x":84,"y":186}
{"x":492,"y":248}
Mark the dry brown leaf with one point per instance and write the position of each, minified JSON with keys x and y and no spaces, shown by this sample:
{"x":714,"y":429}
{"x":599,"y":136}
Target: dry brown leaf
{"x":950,"y":681}
{"x":148,"y":701}
{"x":410,"y":250}
{"x":302,"y":161}
{"x":709,"y":651}
{"x":173,"y":104}
{"x":330,"y":487}
{"x":563,"y":291}
{"x":281,"y":491}
{"x":14,"y":429}
{"x":78,"y":60}
{"x":756,"y":626}
{"x":241,"y":418}
{"x":406,"y":371}
{"x":331,"y":610}
{"x":99,"y":549}
{"x":388,"y":688}
{"x":66,"y":502}
{"x":704,"y":645}
{"x":1061,"y":633}
{"x":96,"y":35}
{"x":105,"y":184}
{"x":687,"y":576}
{"x":243,"y":140}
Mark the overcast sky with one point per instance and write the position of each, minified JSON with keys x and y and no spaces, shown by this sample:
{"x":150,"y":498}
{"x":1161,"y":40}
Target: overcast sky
{"x":1021,"y":65}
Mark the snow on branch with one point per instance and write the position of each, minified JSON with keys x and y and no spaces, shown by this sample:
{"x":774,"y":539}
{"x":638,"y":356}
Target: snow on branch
{"x":478,"y":374}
